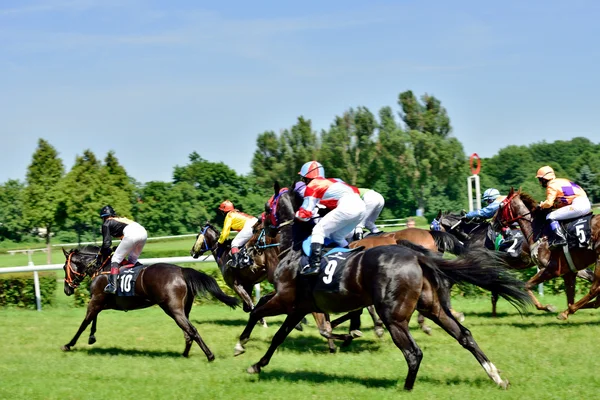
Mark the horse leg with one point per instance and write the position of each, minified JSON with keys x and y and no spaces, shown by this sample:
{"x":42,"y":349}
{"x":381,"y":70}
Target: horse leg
{"x":542,"y":275}
{"x":324,"y":326}
{"x":377,"y":322}
{"x":421,"y":321}
{"x":569,"y":279}
{"x":494,"y":303}
{"x":186,"y":336}
{"x":593,"y":293}
{"x":282,"y":333}
{"x":445,"y":320}
{"x":247,"y":300}
{"x":94,"y":308}
{"x":175,"y":311}
{"x":396,"y":320}
{"x":268,"y":306}
{"x":354,"y":327}
{"x":92,"y":338}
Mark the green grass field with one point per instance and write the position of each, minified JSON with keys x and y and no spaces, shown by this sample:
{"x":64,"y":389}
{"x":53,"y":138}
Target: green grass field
{"x":137,"y":356}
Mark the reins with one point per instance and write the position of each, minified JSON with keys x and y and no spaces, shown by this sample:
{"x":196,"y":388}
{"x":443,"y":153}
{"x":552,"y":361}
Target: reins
{"x":75,"y":281}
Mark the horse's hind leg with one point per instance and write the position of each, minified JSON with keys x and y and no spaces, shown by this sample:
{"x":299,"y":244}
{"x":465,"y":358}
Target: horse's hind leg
{"x":282,"y":333}
{"x":92,"y":338}
{"x":463,"y":336}
{"x":268,"y":305}
{"x":377,"y":322}
{"x":188,"y":339}
{"x":178,"y":314}
{"x":396,"y":320}
{"x":421,"y":321}
{"x":94,"y":308}
{"x":324,"y":326}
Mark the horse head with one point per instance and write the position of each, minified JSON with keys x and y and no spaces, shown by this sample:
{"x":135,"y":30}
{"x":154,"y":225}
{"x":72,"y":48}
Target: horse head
{"x":206,"y":240}
{"x":78,"y":264}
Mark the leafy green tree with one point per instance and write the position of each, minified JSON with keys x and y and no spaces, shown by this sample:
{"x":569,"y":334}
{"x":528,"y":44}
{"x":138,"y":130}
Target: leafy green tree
{"x":12,"y":224}
{"x":42,"y":194}
{"x":118,"y":189}
{"x":84,"y":193}
{"x":589,"y":182}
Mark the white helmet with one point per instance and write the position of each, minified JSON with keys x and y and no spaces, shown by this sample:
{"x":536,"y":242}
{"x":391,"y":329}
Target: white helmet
{"x":490,"y":195}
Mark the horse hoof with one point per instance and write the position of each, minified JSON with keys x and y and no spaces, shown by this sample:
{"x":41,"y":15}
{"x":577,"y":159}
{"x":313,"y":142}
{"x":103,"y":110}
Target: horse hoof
{"x":238,"y":349}
{"x":92,"y":340}
{"x":299,"y":327}
{"x":379,"y":332}
{"x":66,"y":348}
{"x":355,"y":333}
{"x":460,"y":317}
{"x":563,"y":316}
{"x":210,"y":357}
{"x":550,"y":308}
{"x":504,"y":384}
{"x":254,"y":369}
{"x":427,"y":330}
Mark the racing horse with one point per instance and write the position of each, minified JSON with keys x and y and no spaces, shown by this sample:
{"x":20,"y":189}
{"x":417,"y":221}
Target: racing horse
{"x":172,"y":287}
{"x":393,"y":278}
{"x":264,"y":251}
{"x":521,"y":208}
{"x":474,"y":234}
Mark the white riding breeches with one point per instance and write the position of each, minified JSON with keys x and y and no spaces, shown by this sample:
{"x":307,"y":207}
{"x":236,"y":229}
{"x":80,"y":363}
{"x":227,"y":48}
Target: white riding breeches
{"x":132,"y":244}
{"x":245,"y":234}
{"x":374,"y":203}
{"x":340,"y":221}
{"x":580,"y":206}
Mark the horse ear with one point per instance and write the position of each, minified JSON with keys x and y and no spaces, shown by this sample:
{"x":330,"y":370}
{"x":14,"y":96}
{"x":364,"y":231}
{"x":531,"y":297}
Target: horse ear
{"x":511,"y":191}
{"x":65,"y":252}
{"x":276,"y":187}
{"x":439,"y":215}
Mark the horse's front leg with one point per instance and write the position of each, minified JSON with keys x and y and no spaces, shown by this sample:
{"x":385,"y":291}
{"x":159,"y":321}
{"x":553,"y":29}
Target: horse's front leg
{"x":542,"y":275}
{"x":282,"y":333}
{"x":94,"y":308}
{"x":268,"y":305}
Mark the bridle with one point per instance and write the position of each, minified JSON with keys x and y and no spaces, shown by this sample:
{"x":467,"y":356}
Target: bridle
{"x":261,"y":241}
{"x":507,"y":214}
{"x":205,"y":243}
{"x":74,"y":277}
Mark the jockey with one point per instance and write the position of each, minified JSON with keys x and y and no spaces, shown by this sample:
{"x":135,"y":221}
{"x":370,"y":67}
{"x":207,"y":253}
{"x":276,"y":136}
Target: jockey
{"x":133,"y":238}
{"x":240,"y":222}
{"x":344,"y":201}
{"x":374,"y":203}
{"x":568,"y":199}
{"x":493,"y":200}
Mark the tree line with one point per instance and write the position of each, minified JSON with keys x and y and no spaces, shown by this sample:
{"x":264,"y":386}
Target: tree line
{"x":408,"y":155}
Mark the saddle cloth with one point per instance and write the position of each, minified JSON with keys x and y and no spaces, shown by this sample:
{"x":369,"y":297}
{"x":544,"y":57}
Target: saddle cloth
{"x":579,"y":231}
{"x":128,"y":275}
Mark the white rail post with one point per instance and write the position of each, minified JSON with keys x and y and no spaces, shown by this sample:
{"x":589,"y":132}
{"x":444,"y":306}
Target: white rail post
{"x":473,"y":180}
{"x":257,"y":292}
{"x":36,"y":283}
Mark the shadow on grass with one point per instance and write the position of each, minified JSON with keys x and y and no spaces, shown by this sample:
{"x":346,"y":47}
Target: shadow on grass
{"x":300,"y":343}
{"x":116,"y":351}
{"x":323,"y":377}
{"x":222,"y":322}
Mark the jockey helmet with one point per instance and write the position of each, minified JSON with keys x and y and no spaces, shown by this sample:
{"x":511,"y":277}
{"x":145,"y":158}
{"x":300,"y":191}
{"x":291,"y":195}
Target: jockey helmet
{"x":107,"y":211}
{"x":490,"y":195}
{"x":546,"y":172}
{"x":226,"y":206}
{"x":311,"y":170}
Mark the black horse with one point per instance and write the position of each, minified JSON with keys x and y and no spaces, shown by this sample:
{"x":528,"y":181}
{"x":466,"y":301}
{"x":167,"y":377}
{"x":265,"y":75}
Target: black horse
{"x":393,"y":278}
{"x":172,"y":287}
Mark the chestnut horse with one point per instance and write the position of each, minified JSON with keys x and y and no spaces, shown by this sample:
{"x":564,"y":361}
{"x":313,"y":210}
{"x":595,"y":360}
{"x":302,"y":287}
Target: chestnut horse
{"x":172,"y":287}
{"x":521,"y":208}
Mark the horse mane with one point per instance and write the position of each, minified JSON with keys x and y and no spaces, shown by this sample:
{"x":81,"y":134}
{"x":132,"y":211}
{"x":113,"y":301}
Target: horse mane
{"x":88,"y":249}
{"x":529,"y":201}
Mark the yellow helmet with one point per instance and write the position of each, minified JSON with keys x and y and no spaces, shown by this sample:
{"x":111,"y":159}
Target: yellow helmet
{"x":546,"y":172}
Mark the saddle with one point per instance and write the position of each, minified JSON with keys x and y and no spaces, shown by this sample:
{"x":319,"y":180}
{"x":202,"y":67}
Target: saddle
{"x":128,"y":275}
{"x":578,"y":230}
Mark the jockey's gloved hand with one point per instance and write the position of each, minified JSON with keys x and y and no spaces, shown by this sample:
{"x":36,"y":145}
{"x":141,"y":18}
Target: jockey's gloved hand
{"x":105,"y":252}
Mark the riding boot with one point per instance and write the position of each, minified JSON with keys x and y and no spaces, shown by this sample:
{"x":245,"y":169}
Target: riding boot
{"x":111,"y":288}
{"x":314,"y":260}
{"x":558,"y":237}
{"x":235,"y":260}
{"x":358,"y":234}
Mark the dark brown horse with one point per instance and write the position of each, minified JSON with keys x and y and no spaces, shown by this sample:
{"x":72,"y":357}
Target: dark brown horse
{"x":521,"y":208}
{"x":171,"y":287}
{"x":390,"y":277}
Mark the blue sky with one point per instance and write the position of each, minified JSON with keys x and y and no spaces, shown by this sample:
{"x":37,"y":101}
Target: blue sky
{"x":156,"y":80}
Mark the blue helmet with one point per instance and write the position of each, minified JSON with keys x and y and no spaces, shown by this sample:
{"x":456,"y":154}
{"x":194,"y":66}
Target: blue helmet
{"x":107,"y":211}
{"x":311,"y":170}
{"x":490,"y":195}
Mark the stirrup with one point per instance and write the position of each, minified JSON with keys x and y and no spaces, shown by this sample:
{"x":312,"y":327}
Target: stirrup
{"x":110,"y":289}
{"x":308,"y":270}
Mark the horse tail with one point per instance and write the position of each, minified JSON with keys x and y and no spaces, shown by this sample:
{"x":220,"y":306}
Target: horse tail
{"x":416,"y":247}
{"x":200,"y":283}
{"x":482,"y":268}
{"x":447,"y":242}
